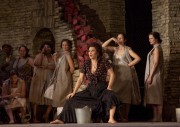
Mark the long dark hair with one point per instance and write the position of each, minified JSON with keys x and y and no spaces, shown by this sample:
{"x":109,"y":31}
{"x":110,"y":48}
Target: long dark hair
{"x":98,"y":48}
{"x":124,"y":35}
{"x":13,"y":72}
{"x":156,"y":35}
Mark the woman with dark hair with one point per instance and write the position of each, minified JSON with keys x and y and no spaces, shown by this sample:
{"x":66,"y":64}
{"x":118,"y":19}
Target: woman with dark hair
{"x":126,"y":84}
{"x":98,"y":95}
{"x":13,"y":94}
{"x":154,"y":77}
{"x":43,"y":69}
{"x":8,"y":62}
{"x":62,"y":77}
{"x":24,"y":67}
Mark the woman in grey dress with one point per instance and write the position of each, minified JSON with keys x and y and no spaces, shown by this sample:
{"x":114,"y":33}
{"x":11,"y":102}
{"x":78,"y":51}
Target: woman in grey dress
{"x":24,"y":67}
{"x":154,"y":77}
{"x":126,"y":83}
{"x":62,"y":78}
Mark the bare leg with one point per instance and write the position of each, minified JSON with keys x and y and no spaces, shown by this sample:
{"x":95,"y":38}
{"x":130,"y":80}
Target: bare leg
{"x":34,"y":114}
{"x":154,"y":113}
{"x":23,"y":113}
{"x":46,"y":115}
{"x":111,"y":115}
{"x":159,"y":112}
{"x":125,"y":111}
{"x":10,"y":114}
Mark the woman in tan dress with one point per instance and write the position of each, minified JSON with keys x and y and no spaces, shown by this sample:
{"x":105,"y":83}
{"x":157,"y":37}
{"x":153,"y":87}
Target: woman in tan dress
{"x":43,"y":69}
{"x":62,"y":78}
{"x":13,"y":93}
{"x":154,"y":77}
{"x":126,"y":83}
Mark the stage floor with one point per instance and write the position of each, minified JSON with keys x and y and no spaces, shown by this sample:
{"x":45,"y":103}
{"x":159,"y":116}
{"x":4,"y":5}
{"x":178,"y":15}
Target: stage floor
{"x":130,"y":124}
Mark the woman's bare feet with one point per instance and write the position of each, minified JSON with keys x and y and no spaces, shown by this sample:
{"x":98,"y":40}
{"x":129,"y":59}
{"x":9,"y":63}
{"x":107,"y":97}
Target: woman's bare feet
{"x":112,"y":121}
{"x":57,"y":122}
{"x":11,"y":122}
{"x":45,"y":117}
{"x":35,"y":121}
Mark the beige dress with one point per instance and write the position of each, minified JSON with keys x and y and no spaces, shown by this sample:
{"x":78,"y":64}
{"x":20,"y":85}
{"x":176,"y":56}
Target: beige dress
{"x":126,"y":83}
{"x":62,"y":80}
{"x":17,"y":101}
{"x":154,"y":92}
{"x":40,"y":82}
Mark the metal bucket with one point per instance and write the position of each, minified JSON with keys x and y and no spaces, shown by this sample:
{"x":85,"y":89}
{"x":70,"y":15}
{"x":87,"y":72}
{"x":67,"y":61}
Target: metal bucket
{"x":178,"y":114}
{"x":83,"y":115}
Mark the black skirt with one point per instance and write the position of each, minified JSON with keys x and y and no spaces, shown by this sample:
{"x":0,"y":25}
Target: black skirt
{"x":96,"y":97}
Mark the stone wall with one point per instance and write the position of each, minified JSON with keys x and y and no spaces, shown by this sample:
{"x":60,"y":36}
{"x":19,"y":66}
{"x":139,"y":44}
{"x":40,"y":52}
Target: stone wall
{"x":110,"y":12}
{"x":20,"y":20}
{"x":166,"y":20}
{"x":173,"y":77}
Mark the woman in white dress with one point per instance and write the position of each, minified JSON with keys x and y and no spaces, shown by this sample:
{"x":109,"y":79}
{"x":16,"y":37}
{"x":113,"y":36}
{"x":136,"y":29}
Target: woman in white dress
{"x":126,"y":83}
{"x":154,"y":77}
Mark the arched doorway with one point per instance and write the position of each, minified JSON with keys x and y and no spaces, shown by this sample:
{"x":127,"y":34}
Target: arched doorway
{"x":43,"y":35}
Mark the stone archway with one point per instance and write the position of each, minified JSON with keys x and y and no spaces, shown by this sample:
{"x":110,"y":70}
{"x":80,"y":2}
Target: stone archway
{"x":43,"y":35}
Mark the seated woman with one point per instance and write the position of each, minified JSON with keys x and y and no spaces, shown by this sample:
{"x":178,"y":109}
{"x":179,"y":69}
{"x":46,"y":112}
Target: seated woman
{"x":98,"y":95}
{"x":13,"y":94}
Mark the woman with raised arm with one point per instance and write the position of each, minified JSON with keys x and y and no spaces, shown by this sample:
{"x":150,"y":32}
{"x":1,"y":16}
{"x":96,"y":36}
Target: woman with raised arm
{"x":126,"y":83}
{"x":98,"y":95}
{"x":154,"y":77}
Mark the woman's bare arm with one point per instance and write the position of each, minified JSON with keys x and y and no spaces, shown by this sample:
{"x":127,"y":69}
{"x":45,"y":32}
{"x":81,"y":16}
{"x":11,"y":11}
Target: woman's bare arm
{"x":111,"y":78}
{"x":135,"y":57}
{"x":155,"y":64}
{"x":78,"y":84}
{"x":71,"y":64}
{"x":106,"y":43}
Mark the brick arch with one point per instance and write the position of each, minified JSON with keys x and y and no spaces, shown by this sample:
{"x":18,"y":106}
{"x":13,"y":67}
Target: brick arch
{"x":43,"y":35}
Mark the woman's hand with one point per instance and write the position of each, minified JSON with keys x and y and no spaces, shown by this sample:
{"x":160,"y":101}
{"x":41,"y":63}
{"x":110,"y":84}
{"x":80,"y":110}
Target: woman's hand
{"x":55,"y":55}
{"x":114,"y":39}
{"x":15,"y":95}
{"x":109,"y":88}
{"x":149,"y":80}
{"x":70,"y":95}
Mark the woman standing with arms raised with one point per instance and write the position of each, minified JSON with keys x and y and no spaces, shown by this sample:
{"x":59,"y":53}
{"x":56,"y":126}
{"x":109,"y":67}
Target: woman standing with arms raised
{"x":154,"y":77}
{"x":126,"y":83}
